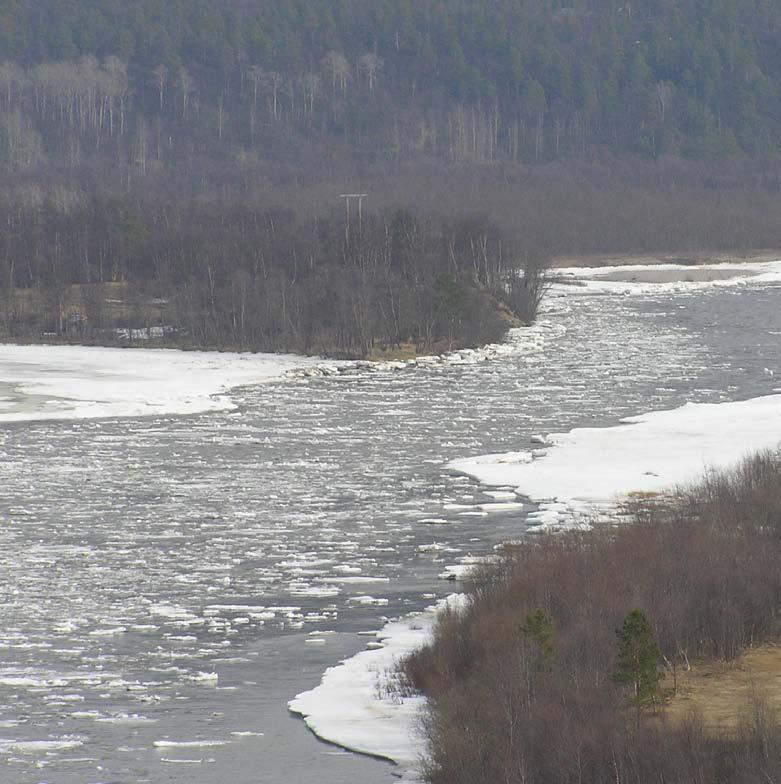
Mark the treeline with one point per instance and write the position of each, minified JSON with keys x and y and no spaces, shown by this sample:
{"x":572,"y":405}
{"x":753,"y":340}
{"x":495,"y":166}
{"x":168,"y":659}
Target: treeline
{"x":236,"y":276}
{"x":162,"y":147}
{"x":300,"y":87}
{"x":534,"y":681}
{"x":420,"y":266}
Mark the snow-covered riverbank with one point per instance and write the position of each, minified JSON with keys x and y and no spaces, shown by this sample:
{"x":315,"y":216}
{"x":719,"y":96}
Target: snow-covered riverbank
{"x":631,"y":279}
{"x":84,"y":382}
{"x":41,"y":382}
{"x":588,"y":469}
{"x":574,"y":477}
{"x":578,"y":475}
{"x":355,"y":706}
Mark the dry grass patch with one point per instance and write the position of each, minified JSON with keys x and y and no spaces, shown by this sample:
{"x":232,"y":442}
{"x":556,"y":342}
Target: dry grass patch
{"x":406,"y":350}
{"x":723,"y":693}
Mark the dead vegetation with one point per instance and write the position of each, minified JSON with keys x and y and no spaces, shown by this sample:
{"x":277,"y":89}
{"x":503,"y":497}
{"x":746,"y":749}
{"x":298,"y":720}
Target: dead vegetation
{"x":723,"y":694}
{"x":703,"y":566}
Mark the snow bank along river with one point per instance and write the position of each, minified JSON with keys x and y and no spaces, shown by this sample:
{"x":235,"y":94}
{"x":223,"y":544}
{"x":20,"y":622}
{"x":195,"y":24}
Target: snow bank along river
{"x":170,"y":581}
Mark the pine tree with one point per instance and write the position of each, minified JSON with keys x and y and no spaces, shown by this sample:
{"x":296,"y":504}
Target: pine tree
{"x":539,"y":629}
{"x":638,"y":655}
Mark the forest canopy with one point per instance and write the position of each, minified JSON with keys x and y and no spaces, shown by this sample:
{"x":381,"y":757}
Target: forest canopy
{"x":166,"y":146}
{"x":458,"y":79}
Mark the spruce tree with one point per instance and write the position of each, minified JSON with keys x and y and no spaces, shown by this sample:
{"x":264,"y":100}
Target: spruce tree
{"x":638,"y":655}
{"x":539,"y":629}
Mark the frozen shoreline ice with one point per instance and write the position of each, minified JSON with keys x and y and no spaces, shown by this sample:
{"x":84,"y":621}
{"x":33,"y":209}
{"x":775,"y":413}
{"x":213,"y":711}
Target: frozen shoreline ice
{"x":43,"y":382}
{"x":582,"y":472}
{"x":369,"y":720}
{"x":632,"y":279}
{"x":576,"y":476}
{"x":588,"y":469}
{"x":85,"y":382}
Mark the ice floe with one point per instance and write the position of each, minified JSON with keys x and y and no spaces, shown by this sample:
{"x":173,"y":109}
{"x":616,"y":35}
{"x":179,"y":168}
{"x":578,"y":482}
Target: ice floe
{"x":188,"y":744}
{"x":39,"y":746}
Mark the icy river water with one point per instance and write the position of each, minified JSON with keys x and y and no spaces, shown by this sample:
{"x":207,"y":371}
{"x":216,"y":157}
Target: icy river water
{"x":167,"y":583}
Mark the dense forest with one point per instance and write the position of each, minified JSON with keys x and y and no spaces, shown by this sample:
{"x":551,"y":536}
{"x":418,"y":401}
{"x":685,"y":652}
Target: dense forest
{"x":463,"y":80}
{"x":129,"y":129}
{"x":246,"y":278}
{"x":561,"y":665}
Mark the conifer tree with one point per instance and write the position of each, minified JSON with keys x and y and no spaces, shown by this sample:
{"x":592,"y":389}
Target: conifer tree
{"x":638,"y":655}
{"x":539,"y":628}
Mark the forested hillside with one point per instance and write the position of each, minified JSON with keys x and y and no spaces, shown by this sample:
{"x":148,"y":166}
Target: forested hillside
{"x":128,"y":128}
{"x":459,"y":80}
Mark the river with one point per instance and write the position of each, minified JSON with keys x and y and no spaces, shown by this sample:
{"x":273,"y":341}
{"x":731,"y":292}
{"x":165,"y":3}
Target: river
{"x":169,"y":582}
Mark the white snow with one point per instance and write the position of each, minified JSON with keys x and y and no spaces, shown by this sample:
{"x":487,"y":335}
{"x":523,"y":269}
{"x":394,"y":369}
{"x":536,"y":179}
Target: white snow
{"x":38,"y":746}
{"x":674,"y":278}
{"x":351,"y":708}
{"x":588,"y":468}
{"x":211,"y":678}
{"x":188,"y":744}
{"x":456,"y":572}
{"x":366,"y":600}
{"x":80,"y":382}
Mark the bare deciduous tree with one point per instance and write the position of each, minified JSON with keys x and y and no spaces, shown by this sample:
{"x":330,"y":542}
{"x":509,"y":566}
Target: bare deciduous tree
{"x":370,"y":64}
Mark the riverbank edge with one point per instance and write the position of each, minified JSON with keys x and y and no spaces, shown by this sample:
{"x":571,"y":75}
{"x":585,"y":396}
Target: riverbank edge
{"x":408,"y":351}
{"x":687,"y":258}
{"x":752,"y":693}
{"x":393,"y":634}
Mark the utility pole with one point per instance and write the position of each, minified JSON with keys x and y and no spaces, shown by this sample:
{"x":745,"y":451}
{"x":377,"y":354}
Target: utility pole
{"x":348,"y":197}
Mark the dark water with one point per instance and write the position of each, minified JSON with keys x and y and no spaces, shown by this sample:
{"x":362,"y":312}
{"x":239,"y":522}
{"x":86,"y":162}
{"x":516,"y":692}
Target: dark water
{"x":178,"y":579}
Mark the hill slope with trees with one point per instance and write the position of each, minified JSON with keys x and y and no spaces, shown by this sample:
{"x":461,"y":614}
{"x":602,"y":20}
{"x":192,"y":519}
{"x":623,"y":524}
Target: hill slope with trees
{"x":582,"y":127}
{"x":457,"y":80}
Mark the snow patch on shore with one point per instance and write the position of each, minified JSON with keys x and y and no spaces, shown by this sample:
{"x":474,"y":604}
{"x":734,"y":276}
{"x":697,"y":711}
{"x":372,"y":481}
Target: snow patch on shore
{"x":86,"y":382}
{"x":632,"y":279}
{"x":587,"y":471}
{"x":352,"y":708}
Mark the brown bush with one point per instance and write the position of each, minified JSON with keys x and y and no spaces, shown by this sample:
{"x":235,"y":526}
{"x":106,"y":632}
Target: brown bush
{"x":704,"y":568}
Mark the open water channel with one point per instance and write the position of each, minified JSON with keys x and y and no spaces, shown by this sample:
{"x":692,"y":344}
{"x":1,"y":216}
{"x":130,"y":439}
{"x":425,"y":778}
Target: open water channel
{"x":168,"y":583}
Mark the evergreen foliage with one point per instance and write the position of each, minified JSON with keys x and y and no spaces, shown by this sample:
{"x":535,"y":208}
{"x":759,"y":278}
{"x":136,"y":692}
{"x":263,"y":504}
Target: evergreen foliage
{"x":638,"y":657}
{"x":455,"y":79}
{"x":538,"y":628}
{"x":703,"y":564}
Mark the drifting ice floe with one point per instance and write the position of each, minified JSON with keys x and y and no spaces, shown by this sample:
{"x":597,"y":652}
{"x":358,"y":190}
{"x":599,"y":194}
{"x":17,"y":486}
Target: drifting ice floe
{"x":39,"y":746}
{"x":188,"y":744}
